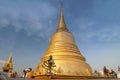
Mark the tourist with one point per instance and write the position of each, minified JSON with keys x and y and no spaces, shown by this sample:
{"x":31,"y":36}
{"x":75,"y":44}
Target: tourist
{"x":15,"y":74}
{"x":24,"y":73}
{"x":105,"y":71}
{"x":95,"y":73}
{"x":112,"y":73}
{"x":115,"y":75}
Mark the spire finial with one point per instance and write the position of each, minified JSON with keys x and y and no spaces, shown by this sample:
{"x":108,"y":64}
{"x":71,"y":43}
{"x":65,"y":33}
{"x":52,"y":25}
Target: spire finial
{"x":61,"y":9}
{"x":61,"y":25}
{"x":10,"y":58}
{"x":61,"y":5}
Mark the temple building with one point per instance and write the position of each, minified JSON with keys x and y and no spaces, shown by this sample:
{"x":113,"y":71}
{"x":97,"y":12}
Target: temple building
{"x":8,"y":66}
{"x":66,"y":55}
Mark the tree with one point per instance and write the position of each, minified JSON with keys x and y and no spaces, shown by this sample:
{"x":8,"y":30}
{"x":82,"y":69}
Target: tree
{"x":49,"y":65}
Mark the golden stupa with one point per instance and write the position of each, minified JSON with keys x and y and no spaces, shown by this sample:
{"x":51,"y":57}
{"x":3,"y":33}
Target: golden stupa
{"x":8,"y":66}
{"x":66,"y":55}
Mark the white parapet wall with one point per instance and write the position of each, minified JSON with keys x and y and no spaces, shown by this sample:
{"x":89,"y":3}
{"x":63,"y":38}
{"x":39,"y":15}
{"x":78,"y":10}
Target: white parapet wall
{"x":118,"y":75}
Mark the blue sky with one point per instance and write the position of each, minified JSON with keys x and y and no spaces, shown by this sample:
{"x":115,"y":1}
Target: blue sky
{"x":27,"y":25}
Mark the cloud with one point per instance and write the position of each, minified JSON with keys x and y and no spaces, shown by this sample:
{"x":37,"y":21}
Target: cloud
{"x":34,"y":17}
{"x":102,"y":25}
{"x":110,"y":33}
{"x":2,"y":61}
{"x":93,"y":31}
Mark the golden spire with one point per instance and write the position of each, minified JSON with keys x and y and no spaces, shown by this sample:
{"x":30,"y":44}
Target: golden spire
{"x":10,"y":59}
{"x":8,"y":66}
{"x":61,"y":25}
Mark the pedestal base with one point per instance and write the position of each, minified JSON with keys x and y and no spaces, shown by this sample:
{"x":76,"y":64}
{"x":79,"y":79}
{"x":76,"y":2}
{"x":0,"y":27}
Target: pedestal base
{"x":69,"y":77}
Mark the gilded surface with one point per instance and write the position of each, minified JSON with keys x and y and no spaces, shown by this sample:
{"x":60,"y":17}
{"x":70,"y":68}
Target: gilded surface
{"x":66,"y":55}
{"x":8,"y":66}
